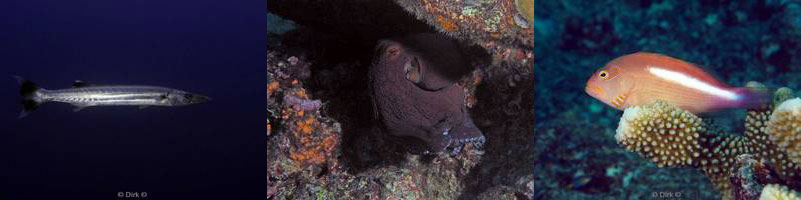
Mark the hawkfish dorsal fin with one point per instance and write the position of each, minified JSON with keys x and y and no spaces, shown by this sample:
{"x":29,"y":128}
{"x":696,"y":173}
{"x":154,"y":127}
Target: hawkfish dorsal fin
{"x":80,"y":84}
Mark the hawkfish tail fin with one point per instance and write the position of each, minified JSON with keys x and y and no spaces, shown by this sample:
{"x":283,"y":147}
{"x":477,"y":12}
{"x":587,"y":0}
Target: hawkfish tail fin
{"x":30,"y":96}
{"x":752,"y":98}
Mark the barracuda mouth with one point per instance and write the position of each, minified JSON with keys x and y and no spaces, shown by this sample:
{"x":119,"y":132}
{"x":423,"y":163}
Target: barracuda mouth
{"x":195,"y":98}
{"x":183,"y":99}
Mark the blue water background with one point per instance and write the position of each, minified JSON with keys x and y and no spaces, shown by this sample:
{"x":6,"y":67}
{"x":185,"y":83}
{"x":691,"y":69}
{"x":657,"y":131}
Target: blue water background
{"x":207,"y":151}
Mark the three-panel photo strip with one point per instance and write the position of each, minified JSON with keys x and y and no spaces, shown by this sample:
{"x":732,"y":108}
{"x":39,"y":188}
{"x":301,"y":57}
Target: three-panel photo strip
{"x":400,"y":99}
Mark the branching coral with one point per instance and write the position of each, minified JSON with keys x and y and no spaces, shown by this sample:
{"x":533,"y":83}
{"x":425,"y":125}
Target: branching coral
{"x":785,"y":124}
{"x":779,"y":192}
{"x":672,"y":137}
{"x":663,"y":133}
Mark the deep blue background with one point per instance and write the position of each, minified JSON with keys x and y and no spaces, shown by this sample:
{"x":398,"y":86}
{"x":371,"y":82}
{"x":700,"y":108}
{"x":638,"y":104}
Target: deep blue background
{"x":207,"y":151}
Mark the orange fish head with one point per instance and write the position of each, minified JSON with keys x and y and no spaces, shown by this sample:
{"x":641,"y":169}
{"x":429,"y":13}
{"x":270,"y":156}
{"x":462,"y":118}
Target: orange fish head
{"x":595,"y":91}
{"x":607,"y":85}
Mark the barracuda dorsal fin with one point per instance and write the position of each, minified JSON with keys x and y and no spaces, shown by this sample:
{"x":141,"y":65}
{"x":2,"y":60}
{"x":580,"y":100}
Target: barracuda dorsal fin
{"x":80,"y":84}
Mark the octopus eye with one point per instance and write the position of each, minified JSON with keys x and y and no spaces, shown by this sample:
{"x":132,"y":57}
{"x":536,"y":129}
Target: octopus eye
{"x":413,"y":70}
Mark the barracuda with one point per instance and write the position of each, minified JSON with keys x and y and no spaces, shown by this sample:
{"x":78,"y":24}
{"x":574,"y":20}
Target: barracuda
{"x":83,"y":95}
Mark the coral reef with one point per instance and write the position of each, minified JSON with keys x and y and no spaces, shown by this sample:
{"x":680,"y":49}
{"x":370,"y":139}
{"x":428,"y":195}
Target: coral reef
{"x":334,"y":150}
{"x":299,"y":116}
{"x":359,"y":24}
{"x":507,"y":21}
{"x":321,"y":152}
{"x":503,"y":28}
{"x":749,"y":176}
{"x":778,"y":192}
{"x":308,"y":139}
{"x":672,"y":137}
{"x":784,"y":128}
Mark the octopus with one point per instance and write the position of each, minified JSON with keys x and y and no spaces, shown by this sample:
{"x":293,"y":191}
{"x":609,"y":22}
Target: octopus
{"x":414,"y":91}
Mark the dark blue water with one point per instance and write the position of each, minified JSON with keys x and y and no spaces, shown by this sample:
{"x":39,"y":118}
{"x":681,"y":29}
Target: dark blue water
{"x":206,"y":151}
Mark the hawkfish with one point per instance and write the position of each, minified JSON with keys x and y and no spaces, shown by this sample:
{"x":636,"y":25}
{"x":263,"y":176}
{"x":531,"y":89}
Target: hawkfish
{"x":83,"y":95}
{"x":642,"y":78}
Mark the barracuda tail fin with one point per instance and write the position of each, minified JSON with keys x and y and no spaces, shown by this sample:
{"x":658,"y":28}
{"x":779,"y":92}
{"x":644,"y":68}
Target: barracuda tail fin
{"x":30,"y":99}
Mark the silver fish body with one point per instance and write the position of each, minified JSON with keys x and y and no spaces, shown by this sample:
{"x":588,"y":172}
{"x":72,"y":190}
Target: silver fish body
{"x":119,"y":95}
{"x":83,"y":95}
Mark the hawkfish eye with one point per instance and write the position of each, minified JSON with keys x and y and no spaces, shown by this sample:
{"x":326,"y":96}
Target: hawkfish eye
{"x":604,"y":75}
